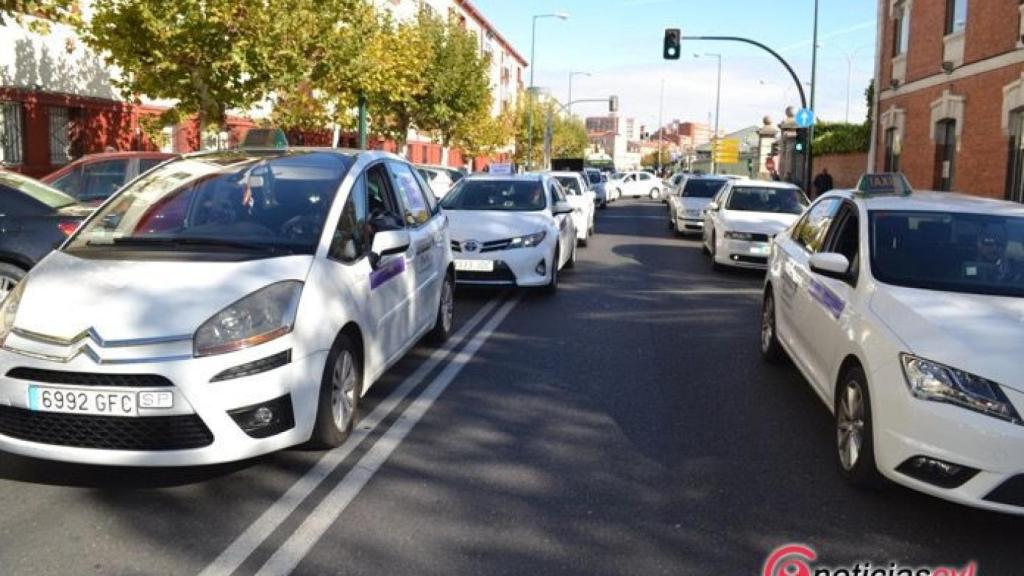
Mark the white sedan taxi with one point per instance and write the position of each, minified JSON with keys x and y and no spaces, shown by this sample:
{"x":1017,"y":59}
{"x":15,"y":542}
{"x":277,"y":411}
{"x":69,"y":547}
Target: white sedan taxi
{"x":510,"y":230}
{"x":744,"y":216}
{"x":222,"y":306}
{"x":904,"y":312}
{"x":583,"y":202}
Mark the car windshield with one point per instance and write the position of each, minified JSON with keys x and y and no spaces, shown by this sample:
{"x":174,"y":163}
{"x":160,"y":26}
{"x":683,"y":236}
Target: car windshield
{"x":499,"y":195}
{"x":571,"y":184}
{"x":37,"y":190}
{"x":764,"y":199}
{"x":701,"y":188}
{"x":953,"y":252}
{"x":225,"y":202}
{"x":594,"y":177}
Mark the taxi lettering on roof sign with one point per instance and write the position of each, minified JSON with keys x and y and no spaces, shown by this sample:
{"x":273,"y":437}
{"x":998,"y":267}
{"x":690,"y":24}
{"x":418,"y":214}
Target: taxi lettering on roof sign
{"x":887,"y":183}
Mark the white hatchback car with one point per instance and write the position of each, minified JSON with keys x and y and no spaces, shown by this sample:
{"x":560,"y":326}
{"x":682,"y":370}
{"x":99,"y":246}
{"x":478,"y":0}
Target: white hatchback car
{"x":904,"y":312}
{"x":510,"y":230}
{"x":744,"y":216}
{"x":583,"y":202}
{"x":637,"y":185}
{"x":224,"y":305}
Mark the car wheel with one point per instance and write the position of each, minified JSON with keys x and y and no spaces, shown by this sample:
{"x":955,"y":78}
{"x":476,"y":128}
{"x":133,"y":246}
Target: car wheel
{"x":714,"y":253}
{"x":552,"y":286}
{"x":854,"y":430}
{"x":338,"y":406}
{"x":771,"y":350}
{"x":10,"y":275}
{"x":655,"y":194}
{"x":445,"y":312}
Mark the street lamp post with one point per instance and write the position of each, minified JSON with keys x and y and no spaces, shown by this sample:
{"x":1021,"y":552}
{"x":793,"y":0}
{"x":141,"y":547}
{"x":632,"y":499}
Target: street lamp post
{"x":718,"y":109}
{"x":533,"y":51}
{"x":808,"y":182}
{"x":571,"y":76}
{"x":661,"y":123}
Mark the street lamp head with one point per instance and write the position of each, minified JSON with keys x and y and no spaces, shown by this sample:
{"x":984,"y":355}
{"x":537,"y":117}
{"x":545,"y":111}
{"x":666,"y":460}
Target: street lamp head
{"x":561,"y":15}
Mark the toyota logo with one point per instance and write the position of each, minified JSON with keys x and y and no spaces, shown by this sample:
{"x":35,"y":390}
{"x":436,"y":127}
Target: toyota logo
{"x":470,"y":245}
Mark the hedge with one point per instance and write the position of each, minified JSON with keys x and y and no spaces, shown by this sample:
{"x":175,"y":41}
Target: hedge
{"x":840,"y":138}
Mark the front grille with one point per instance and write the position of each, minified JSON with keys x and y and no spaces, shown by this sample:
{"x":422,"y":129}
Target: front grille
{"x":105,"y":432}
{"x":760,"y":238}
{"x":1010,"y":492}
{"x":496,"y":245}
{"x":502,"y":273}
{"x":456,"y":247}
{"x":90,"y":378}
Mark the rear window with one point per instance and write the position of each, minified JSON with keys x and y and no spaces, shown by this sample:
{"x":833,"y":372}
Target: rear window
{"x":763,"y":199}
{"x":37,"y":190}
{"x":498,"y":195}
{"x":702,"y":188}
{"x":571,"y":185}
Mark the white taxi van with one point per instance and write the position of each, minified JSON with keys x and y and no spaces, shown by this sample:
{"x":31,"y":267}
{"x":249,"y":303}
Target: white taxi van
{"x":905,"y":312}
{"x":222,"y":306}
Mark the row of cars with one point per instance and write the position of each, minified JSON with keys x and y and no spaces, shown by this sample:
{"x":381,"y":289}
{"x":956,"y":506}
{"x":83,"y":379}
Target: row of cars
{"x":233,"y":303}
{"x":903,"y":309}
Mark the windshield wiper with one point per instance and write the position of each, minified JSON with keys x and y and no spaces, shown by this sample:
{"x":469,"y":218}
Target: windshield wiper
{"x":198,"y":242}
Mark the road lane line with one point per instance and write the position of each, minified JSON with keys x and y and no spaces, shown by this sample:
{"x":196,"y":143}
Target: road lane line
{"x":334,"y":504}
{"x":253,"y":537}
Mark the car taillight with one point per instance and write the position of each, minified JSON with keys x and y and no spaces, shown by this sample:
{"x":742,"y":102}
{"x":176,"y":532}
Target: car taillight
{"x":68,"y":227}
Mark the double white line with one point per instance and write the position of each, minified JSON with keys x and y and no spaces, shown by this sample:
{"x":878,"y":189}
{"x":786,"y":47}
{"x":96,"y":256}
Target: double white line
{"x":295,"y":548}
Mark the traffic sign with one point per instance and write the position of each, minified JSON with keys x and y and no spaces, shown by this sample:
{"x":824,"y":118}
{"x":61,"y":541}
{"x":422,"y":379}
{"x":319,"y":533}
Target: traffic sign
{"x":726,"y":151}
{"x":804,"y":118}
{"x":769,"y":164}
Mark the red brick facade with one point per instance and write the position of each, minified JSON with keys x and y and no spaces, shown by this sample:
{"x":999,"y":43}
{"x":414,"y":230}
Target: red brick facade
{"x":936,"y":87}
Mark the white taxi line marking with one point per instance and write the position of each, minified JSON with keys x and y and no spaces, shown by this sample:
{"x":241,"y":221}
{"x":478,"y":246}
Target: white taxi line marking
{"x":334,"y":504}
{"x":254,"y":536}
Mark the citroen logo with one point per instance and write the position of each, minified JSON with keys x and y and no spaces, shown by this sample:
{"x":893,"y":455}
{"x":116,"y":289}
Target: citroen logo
{"x":471,"y":245}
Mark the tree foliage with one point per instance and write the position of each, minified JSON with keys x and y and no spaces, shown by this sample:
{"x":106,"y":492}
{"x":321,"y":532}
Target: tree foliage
{"x":484,"y":134}
{"x":568,"y":135}
{"x":841,"y":138}
{"x":569,"y":138}
{"x":42,"y":11}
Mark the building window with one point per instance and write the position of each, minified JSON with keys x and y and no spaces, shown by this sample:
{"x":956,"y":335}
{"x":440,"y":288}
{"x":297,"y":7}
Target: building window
{"x":956,"y":16}
{"x":11,"y":134}
{"x":892,"y":150}
{"x":60,"y":136}
{"x":901,"y":30}
{"x":1015,"y":166}
{"x":945,"y":154}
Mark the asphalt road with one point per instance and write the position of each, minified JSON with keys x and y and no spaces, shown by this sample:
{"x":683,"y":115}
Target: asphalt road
{"x":625,"y":425}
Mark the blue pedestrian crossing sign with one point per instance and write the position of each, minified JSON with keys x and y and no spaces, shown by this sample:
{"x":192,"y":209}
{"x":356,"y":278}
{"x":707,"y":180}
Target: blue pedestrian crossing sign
{"x":804,"y":118}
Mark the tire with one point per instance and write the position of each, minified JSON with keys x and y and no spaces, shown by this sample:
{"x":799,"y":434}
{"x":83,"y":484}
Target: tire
{"x":338,"y":406}
{"x":655,"y":194}
{"x":445,"y":320}
{"x":855,"y":446}
{"x":10,"y":275}
{"x":552,"y":286}
{"x":771,"y":350}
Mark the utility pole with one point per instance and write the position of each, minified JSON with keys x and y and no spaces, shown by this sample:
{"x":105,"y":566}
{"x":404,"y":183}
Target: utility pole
{"x":808,"y":183}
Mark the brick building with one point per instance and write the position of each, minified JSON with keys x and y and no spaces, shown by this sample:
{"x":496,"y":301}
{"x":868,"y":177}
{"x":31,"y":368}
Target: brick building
{"x":951,"y":98}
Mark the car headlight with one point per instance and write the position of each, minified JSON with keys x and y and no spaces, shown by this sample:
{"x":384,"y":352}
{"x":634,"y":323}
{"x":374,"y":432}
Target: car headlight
{"x":9,"y":310}
{"x":739,"y":236}
{"x":933,"y":381}
{"x":260,"y":317}
{"x":528,"y":241}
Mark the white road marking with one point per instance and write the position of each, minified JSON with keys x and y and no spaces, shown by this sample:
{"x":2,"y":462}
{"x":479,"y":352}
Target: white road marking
{"x":333,"y":505}
{"x":254,"y":536}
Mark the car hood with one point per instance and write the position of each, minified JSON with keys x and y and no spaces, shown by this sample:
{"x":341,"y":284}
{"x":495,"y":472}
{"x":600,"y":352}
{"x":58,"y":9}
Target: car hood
{"x":983,"y":335}
{"x":123,"y":300}
{"x":758,"y":222}
{"x":484,"y":225}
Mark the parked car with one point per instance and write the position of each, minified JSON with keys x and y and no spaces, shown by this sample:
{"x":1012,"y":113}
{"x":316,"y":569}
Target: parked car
{"x":510,"y":230}
{"x":743,"y":217}
{"x":223,"y":306}
{"x":582,"y":201}
{"x":440,"y":178}
{"x":596,"y":183}
{"x":34,"y":219}
{"x":637,"y":185}
{"x":686,"y":207}
{"x":93,"y":178}
{"x":903,"y":311}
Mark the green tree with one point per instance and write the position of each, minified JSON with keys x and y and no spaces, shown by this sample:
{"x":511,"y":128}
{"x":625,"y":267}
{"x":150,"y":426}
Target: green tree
{"x":65,"y":11}
{"x":526,"y":107}
{"x":651,"y":160}
{"x":457,"y":90}
{"x":569,"y":138}
{"x":484,"y":134}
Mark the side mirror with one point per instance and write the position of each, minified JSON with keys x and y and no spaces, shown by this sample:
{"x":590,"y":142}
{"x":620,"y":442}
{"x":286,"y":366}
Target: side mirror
{"x":561,"y":208}
{"x":831,"y":265}
{"x":388,"y":243}
{"x":712,"y":207}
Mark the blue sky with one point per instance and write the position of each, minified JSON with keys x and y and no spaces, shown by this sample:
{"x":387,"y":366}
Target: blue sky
{"x":619,"y":43}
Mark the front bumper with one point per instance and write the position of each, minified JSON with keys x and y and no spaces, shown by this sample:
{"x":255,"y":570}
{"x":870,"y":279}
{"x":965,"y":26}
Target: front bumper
{"x":907,"y":427}
{"x":689,"y":225}
{"x":198,"y":403}
{"x":516,"y":267}
{"x":743,"y":253}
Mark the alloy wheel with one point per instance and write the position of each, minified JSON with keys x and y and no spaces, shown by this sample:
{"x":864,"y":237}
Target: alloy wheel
{"x":850,"y":425}
{"x":343,"y":390}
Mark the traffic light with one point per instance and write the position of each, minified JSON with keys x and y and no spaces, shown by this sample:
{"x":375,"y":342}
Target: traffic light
{"x":613,"y":104}
{"x":801,"y":140}
{"x":672,"y":50}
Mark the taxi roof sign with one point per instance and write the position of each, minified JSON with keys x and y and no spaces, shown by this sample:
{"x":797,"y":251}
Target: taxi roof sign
{"x":884,"y":184}
{"x":260,"y":138}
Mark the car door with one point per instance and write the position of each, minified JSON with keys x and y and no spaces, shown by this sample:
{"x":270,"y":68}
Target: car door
{"x":713,"y":215}
{"x":645,"y":183}
{"x":566,"y":228}
{"x":628,"y":184}
{"x":800,"y":296}
{"x":427,"y":236}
